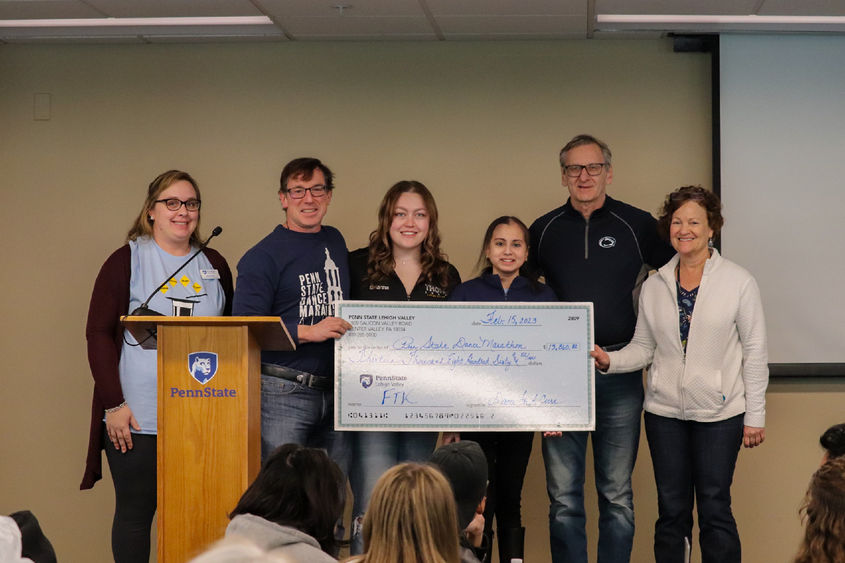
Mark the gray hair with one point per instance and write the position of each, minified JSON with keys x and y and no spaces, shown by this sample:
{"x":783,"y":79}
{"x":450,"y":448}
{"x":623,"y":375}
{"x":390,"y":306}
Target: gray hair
{"x":581,"y":140}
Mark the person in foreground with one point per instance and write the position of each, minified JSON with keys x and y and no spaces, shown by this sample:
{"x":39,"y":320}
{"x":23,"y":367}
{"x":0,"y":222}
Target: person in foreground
{"x":599,"y":249}
{"x":701,"y":328}
{"x":292,"y":507}
{"x":402,"y":262}
{"x":504,"y":277}
{"x":465,"y":466}
{"x":823,"y":513}
{"x":833,"y":442}
{"x":299,"y":272}
{"x":123,"y":411}
{"x":412,"y":518}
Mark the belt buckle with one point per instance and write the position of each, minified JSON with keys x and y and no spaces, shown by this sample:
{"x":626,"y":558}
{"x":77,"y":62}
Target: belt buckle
{"x":306,"y":379}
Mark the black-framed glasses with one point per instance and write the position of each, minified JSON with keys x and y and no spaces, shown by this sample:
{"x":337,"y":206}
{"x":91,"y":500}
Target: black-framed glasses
{"x":593,"y":169}
{"x":174,"y":204}
{"x":299,"y":193}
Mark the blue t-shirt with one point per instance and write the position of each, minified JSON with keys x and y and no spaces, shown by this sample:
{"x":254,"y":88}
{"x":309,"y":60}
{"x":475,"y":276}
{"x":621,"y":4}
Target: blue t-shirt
{"x":298,"y":277}
{"x":194,"y":287}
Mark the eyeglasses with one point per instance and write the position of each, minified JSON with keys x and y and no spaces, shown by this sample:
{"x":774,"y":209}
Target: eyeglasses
{"x":593,"y":169}
{"x":174,"y":204}
{"x":299,"y":193}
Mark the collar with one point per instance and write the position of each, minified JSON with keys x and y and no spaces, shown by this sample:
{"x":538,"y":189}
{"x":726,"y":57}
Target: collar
{"x":493,"y":280}
{"x":609,"y":202}
{"x":667,"y":271}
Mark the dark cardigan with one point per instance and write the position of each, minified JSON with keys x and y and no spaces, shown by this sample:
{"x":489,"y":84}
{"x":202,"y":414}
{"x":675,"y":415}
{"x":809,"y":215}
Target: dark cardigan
{"x":105,"y":341}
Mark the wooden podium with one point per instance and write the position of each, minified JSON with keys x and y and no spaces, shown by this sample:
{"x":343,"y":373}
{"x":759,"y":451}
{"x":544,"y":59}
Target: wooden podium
{"x":209,"y":420}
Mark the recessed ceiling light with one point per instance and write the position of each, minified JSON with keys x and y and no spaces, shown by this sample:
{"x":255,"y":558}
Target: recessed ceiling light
{"x":127,"y":22}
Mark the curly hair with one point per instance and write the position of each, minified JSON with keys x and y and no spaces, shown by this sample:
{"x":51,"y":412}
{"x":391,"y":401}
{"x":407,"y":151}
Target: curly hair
{"x":705,"y":198}
{"x":435,"y":264}
{"x":823,"y":515}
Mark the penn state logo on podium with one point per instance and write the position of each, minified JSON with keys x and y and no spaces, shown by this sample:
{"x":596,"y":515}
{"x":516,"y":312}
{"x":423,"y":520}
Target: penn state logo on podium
{"x":202,"y":366}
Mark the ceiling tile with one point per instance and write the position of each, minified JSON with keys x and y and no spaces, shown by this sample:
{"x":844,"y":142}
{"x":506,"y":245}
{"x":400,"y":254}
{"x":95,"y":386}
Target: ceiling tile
{"x":358,"y":27}
{"x":513,"y":25}
{"x":174,"y":8}
{"x":327,"y":8}
{"x":18,"y":10}
{"x":507,"y":7}
{"x":802,"y":8}
{"x":675,"y":7}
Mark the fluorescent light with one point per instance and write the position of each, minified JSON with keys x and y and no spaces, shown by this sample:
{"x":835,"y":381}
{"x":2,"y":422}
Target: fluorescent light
{"x":717,"y":19}
{"x":139,"y":22}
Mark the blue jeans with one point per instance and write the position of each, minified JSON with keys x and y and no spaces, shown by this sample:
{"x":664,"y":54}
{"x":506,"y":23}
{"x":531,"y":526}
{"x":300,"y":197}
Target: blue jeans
{"x":694,"y":458}
{"x":375,"y":453}
{"x":619,"y":400}
{"x":292,"y":413}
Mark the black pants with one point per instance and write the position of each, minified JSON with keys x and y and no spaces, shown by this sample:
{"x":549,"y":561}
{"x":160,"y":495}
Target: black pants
{"x":507,"y":459}
{"x":134,"y":477}
{"x":694,"y":460}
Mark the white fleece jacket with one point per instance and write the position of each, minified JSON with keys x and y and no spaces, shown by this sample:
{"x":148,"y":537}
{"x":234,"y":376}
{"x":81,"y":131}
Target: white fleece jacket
{"x":725,"y":370}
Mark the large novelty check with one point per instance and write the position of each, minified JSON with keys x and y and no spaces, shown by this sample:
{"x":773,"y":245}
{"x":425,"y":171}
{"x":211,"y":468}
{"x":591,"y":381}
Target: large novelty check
{"x":465,"y":366}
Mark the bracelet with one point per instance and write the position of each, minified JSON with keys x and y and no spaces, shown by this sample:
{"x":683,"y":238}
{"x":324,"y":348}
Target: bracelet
{"x":117,"y":408}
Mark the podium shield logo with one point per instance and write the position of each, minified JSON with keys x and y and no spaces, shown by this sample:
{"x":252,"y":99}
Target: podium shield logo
{"x":202,"y":366}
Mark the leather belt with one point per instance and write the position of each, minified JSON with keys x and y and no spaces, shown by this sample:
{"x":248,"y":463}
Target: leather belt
{"x":318,"y":382}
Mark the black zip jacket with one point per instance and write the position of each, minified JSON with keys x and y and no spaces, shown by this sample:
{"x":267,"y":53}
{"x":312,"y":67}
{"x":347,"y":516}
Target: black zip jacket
{"x":602,"y":260}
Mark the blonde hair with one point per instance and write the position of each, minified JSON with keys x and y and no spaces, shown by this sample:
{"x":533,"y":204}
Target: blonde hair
{"x":411,"y":518}
{"x":143,"y":225}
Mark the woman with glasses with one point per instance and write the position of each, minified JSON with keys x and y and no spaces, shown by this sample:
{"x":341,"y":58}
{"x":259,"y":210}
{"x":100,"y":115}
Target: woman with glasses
{"x":123,"y":412}
{"x":403,"y":262}
{"x":701,"y":329}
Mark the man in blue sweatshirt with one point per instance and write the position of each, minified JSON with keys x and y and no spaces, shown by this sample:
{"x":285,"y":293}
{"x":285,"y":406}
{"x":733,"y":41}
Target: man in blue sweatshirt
{"x":298,"y":272}
{"x":595,"y":248}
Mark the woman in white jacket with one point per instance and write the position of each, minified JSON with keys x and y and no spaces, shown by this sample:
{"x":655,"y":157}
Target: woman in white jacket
{"x":702,"y":331}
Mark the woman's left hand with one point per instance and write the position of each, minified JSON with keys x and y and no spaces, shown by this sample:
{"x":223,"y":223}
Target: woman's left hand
{"x":752,"y":436}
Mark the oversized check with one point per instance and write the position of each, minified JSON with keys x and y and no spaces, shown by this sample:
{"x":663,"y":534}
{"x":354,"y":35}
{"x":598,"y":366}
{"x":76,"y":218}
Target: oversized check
{"x":465,"y":366}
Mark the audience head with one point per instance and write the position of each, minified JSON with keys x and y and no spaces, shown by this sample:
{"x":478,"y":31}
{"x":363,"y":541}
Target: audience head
{"x":143,"y":225}
{"x":465,"y":466}
{"x":411,"y":518}
{"x":823,"y":514}
{"x":833,"y":442}
{"x":298,"y":487}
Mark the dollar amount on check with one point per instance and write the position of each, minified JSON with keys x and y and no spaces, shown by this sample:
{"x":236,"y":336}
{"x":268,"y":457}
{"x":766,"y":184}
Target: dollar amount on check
{"x":465,"y":366}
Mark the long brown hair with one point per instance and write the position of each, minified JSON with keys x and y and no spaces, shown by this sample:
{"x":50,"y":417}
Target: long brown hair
{"x":411,"y":518}
{"x":434,"y":262}
{"x":823,"y":514}
{"x":143,"y":225}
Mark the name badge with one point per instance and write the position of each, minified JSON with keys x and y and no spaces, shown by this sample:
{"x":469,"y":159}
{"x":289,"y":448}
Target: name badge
{"x":210,"y":274}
